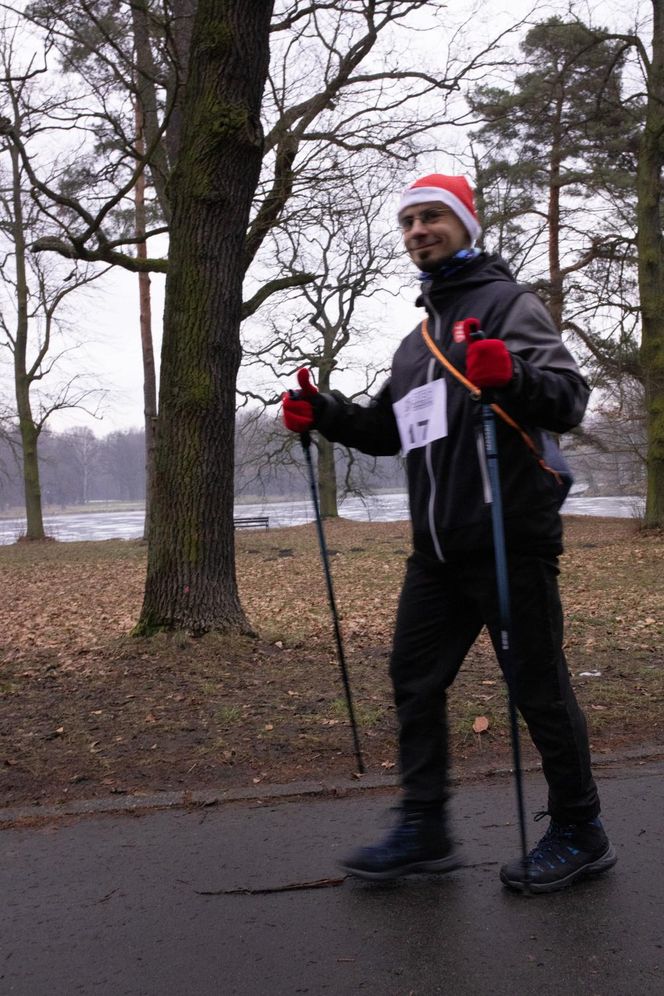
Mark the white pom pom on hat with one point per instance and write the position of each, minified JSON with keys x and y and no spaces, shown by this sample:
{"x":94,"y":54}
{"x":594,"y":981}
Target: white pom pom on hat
{"x":453,"y":191}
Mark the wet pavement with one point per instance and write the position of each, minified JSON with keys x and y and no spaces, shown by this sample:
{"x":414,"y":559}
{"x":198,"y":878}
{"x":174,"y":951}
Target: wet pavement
{"x":246,"y":897}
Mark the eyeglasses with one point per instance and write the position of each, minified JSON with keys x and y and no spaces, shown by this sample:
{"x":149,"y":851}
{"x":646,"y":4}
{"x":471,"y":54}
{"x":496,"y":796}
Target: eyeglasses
{"x":428,"y":217}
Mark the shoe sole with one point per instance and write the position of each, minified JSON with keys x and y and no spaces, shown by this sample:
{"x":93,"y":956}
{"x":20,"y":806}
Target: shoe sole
{"x":437,"y":867}
{"x":601,"y":864}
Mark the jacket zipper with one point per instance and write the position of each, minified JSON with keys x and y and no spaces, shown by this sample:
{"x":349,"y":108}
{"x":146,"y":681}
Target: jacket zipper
{"x":428,"y":454}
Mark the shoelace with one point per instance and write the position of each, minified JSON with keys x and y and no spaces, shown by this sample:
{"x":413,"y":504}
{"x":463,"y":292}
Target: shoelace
{"x":553,"y":845}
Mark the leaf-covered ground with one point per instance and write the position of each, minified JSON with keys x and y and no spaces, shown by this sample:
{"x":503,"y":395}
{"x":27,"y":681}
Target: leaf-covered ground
{"x":86,"y":710}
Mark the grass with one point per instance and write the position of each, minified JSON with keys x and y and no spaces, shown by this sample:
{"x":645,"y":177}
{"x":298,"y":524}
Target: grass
{"x":86,"y":709}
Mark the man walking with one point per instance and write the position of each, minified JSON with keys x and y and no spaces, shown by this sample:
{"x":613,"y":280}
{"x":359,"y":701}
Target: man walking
{"x":428,"y":410}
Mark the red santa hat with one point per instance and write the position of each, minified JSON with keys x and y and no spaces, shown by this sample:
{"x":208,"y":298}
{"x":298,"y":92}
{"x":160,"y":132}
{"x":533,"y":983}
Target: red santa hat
{"x":454,"y":191}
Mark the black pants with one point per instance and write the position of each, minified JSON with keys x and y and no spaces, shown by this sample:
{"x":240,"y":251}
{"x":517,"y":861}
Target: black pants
{"x":442,"y":610}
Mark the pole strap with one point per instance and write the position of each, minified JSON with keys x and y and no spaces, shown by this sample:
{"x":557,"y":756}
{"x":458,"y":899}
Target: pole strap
{"x":476,"y":394}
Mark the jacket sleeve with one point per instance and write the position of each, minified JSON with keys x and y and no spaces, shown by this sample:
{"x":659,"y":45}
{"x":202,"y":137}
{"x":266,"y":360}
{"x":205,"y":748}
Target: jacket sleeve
{"x":369,"y":428}
{"x":547,"y":389}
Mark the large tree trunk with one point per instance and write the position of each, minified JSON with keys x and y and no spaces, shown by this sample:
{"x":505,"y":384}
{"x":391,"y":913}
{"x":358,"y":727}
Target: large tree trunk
{"x":22,"y":376}
{"x":145,"y":320}
{"x":556,"y":289}
{"x":651,"y":271}
{"x":182,"y":13}
{"x":191,"y":581}
{"x":146,"y":100}
{"x":327,"y":479}
{"x":34,"y":529}
{"x":149,"y":392}
{"x":326,"y":469}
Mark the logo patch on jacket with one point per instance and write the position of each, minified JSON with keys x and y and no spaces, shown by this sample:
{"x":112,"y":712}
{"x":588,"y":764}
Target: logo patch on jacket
{"x":458,"y":332}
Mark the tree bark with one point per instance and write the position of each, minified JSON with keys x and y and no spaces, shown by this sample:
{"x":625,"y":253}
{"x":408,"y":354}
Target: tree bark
{"x":28,"y":429}
{"x":326,"y":469}
{"x":327,"y":479}
{"x":651,"y":271}
{"x":191,"y":580}
{"x":183,"y":13}
{"x":556,"y":288}
{"x":145,"y":321}
{"x":146,"y":97}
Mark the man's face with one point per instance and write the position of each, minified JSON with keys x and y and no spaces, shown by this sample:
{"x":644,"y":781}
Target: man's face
{"x":432,"y":234}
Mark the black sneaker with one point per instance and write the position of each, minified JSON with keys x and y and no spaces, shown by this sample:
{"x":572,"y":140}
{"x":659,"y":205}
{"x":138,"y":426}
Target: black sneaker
{"x":566,"y":852}
{"x":418,"y":843}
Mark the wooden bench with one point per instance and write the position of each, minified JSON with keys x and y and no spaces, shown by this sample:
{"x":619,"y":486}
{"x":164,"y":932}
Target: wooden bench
{"x":252,"y":522}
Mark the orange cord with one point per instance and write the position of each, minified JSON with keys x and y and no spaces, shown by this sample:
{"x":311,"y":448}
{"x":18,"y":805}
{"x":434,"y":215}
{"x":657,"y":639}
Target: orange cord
{"x":476,"y":394}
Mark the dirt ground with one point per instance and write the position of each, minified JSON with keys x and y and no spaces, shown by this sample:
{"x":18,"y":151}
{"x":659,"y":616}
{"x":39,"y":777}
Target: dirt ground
{"x":86,"y":710}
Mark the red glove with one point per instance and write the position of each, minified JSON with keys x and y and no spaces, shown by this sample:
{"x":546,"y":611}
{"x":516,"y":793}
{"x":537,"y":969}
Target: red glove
{"x":296,"y":409}
{"x":488,"y":363}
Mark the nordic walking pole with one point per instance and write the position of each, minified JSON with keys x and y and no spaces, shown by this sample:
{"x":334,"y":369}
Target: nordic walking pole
{"x":474,"y":332}
{"x":305,"y":439}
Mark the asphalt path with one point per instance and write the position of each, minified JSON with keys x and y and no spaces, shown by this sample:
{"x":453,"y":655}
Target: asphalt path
{"x":247,"y":898}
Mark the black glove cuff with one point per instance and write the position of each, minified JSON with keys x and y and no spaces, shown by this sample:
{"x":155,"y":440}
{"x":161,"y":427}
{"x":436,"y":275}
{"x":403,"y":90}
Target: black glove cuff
{"x":325,"y":407}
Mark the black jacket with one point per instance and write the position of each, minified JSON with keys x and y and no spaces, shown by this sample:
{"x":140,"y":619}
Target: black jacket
{"x":425,"y":412}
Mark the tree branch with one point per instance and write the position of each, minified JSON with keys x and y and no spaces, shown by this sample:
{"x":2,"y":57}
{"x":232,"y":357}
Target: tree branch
{"x":102,"y":255}
{"x":272,"y":287}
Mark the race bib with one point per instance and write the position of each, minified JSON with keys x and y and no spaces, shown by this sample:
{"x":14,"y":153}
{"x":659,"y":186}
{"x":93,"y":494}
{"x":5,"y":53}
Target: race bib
{"x":422,"y":415}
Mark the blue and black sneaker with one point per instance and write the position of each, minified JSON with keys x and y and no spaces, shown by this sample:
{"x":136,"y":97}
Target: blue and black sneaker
{"x":566,"y":853}
{"x":418,"y":843}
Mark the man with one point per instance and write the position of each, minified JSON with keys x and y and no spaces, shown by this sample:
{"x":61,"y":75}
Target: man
{"x":449,"y":592}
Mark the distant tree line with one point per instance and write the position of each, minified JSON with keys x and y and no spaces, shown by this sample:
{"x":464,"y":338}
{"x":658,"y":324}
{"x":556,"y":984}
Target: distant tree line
{"x":78,"y":467}
{"x":607,"y":463}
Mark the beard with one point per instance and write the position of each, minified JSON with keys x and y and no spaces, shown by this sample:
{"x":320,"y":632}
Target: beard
{"x":430,"y":261}
{"x":432,"y":266}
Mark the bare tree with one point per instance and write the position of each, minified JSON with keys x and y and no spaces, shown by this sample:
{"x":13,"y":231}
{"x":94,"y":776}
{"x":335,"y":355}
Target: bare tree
{"x":191,"y":565}
{"x":329,"y":324}
{"x":145,"y":319}
{"x":34,"y":291}
{"x":128,"y":115}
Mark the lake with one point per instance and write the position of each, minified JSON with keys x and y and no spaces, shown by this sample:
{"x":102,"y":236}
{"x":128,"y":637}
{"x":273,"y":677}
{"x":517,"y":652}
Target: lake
{"x":72,"y":526}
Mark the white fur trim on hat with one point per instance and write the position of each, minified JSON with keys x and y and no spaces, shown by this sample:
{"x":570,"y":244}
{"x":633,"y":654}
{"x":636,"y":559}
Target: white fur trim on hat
{"x":423,"y":195}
